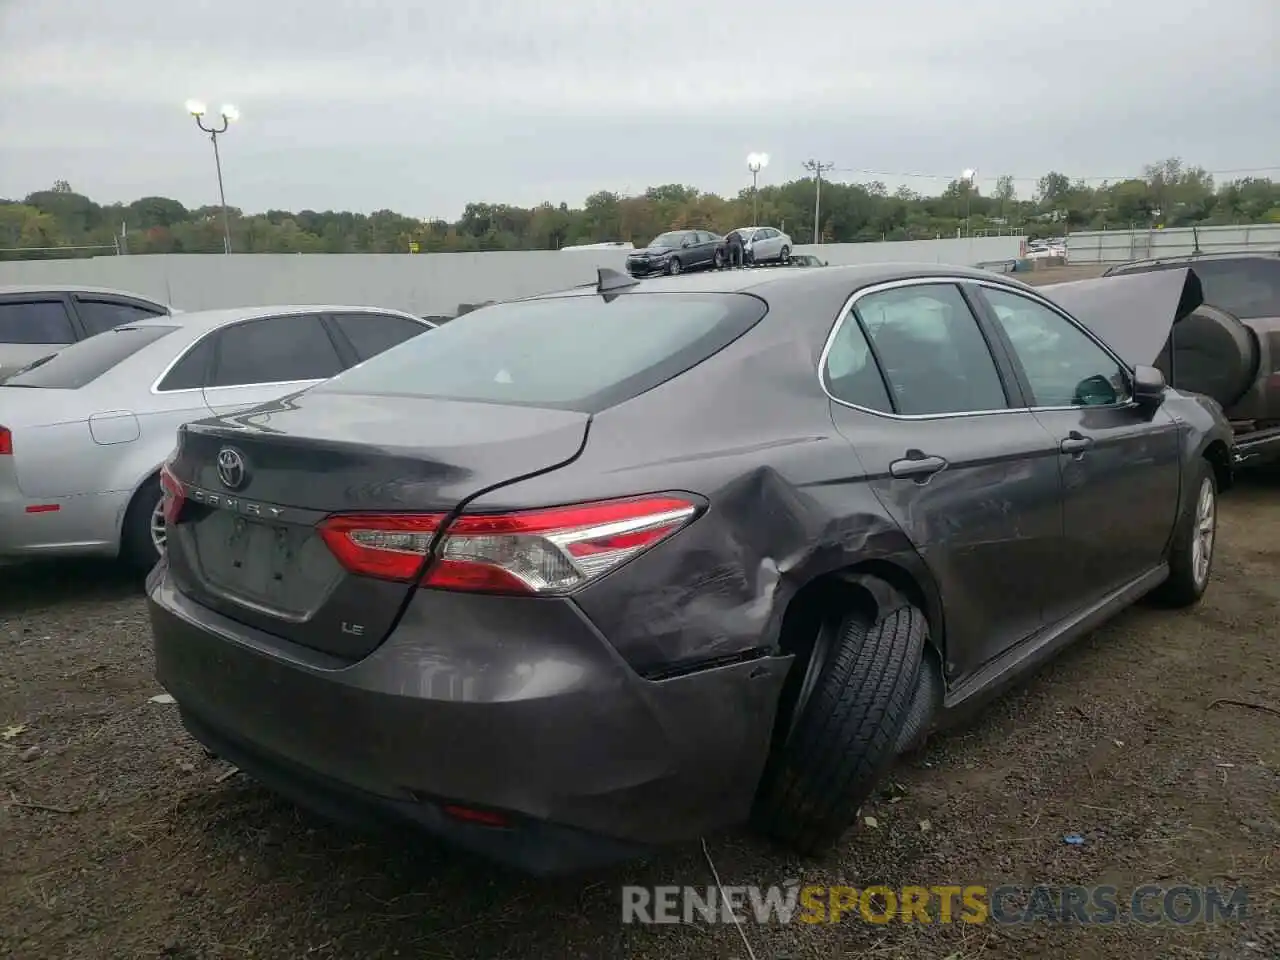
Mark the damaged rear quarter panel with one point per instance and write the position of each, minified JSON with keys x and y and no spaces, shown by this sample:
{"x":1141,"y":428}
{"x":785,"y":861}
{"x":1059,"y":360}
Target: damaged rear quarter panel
{"x":749,"y":430}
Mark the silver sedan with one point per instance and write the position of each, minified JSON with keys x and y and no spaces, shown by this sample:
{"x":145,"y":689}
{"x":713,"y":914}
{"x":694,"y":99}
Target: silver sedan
{"x":83,"y":432}
{"x":766,"y":244}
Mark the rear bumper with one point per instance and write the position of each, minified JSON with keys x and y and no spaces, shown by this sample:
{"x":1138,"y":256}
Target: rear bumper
{"x":85,"y":525}
{"x":505,"y":704}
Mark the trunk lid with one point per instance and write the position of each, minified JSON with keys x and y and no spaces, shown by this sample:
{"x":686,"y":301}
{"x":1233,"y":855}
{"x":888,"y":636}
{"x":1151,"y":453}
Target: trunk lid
{"x":246,"y":541}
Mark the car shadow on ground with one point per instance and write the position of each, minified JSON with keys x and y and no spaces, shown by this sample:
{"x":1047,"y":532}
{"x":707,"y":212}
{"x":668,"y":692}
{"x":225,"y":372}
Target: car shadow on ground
{"x":30,"y":585}
{"x":421,"y":895}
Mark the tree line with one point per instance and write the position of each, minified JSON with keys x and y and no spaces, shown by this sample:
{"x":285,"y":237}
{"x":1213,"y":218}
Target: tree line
{"x":59,"y":222}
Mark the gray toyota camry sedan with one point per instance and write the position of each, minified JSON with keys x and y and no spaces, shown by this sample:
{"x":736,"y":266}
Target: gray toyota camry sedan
{"x":601,"y":570}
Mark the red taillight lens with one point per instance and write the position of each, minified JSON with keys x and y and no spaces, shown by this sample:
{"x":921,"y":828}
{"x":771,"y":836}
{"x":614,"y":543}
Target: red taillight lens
{"x":540,"y":552}
{"x":6,"y":442}
{"x":386,"y":546}
{"x":172,"y":495}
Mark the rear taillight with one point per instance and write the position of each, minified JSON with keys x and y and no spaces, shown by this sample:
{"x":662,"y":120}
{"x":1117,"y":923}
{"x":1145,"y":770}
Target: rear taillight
{"x":6,"y":442}
{"x":540,"y":552}
{"x":172,"y":495}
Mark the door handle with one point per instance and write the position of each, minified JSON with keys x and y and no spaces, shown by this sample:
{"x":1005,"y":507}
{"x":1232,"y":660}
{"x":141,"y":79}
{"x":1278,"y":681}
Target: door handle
{"x":1075,"y":443}
{"x":919,"y":467}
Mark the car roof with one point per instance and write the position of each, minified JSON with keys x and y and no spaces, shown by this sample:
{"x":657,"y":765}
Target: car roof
{"x":765,"y":283}
{"x":199,"y":320}
{"x":37,"y":288}
{"x":1186,"y":258}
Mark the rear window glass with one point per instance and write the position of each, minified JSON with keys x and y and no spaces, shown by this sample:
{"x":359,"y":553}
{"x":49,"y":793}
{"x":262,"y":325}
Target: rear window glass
{"x":84,"y":362}
{"x":1248,"y":287}
{"x":572,"y":352}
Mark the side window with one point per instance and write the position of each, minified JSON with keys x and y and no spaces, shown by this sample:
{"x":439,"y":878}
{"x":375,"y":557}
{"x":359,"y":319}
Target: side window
{"x":35,"y":322}
{"x":850,"y":372}
{"x":99,"y":316}
{"x":933,"y":353}
{"x":274,"y":350}
{"x":1249,"y":287}
{"x":371,"y":333}
{"x":191,"y":370}
{"x":1064,"y":367}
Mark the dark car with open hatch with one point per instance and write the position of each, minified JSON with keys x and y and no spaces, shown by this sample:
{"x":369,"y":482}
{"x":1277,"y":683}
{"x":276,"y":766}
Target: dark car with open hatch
{"x":614,"y":567}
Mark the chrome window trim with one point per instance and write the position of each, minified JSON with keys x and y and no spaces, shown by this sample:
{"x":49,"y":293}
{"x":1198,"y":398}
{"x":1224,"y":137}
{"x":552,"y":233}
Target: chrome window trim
{"x":846,"y":312}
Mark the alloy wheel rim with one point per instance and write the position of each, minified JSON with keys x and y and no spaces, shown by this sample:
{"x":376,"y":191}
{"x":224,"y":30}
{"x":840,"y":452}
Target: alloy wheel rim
{"x":158,"y":535}
{"x":1203,"y":535}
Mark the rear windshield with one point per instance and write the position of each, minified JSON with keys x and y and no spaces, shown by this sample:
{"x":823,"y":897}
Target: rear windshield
{"x":1248,"y":287}
{"x":83,"y":362}
{"x":571,"y":352}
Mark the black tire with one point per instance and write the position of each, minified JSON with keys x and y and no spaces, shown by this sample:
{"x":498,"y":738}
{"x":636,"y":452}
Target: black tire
{"x":136,"y":546}
{"x":1214,"y":354}
{"x":718,"y":260}
{"x":785,"y":255}
{"x":1188,"y":574}
{"x":674,"y":266}
{"x":847,"y":733}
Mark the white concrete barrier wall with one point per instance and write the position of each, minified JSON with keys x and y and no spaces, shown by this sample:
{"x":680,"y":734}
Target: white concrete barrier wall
{"x":422,"y":284}
{"x":1120,"y":246}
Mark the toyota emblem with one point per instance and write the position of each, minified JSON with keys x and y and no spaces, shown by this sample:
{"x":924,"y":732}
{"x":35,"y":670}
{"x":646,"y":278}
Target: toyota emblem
{"x":232,"y":470}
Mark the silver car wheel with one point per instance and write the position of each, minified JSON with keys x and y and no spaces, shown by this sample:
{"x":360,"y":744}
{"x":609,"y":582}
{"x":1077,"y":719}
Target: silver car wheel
{"x":158,"y":534}
{"x":1203,"y":535}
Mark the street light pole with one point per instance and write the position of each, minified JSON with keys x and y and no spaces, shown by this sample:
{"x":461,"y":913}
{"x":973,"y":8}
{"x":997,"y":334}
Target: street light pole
{"x":967,"y":179}
{"x":229,"y":115}
{"x":755,"y":163}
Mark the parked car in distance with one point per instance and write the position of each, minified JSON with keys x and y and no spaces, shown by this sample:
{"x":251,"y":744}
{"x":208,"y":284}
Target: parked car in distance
{"x":84,"y":432}
{"x":765,"y":244}
{"x":807,"y":260}
{"x":36,"y":321}
{"x":610,"y":568}
{"x":678,"y":251}
{"x":1229,"y":348}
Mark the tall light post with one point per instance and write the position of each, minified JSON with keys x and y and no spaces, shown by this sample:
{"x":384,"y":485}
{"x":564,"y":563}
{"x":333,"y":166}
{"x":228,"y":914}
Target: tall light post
{"x":817,"y":168}
{"x":967,"y":179}
{"x":229,"y":115}
{"x":755,"y":163}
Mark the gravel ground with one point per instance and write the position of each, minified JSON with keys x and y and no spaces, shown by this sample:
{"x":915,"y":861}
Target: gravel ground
{"x":120,"y":838}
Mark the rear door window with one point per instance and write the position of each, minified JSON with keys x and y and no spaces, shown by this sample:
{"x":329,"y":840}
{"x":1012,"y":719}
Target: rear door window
{"x":35,"y":322}
{"x":192,"y":368}
{"x":371,"y":333}
{"x":933,"y":354}
{"x":99,"y":316}
{"x":274,"y":350}
{"x":85,"y":361}
{"x":574,"y":352}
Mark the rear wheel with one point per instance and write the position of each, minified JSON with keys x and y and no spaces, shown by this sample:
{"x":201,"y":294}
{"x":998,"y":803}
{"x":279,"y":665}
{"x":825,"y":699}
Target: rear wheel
{"x":847,"y":732}
{"x":785,"y":255}
{"x":1191,"y":554}
{"x":142,"y":539}
{"x":718,"y":260}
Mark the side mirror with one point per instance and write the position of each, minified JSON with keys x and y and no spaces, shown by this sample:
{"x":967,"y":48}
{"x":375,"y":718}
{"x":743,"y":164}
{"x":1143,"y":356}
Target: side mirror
{"x":686,"y":244}
{"x":1148,"y":386}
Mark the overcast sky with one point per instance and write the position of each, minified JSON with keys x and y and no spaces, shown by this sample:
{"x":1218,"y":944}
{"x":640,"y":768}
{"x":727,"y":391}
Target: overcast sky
{"x":424,"y":106}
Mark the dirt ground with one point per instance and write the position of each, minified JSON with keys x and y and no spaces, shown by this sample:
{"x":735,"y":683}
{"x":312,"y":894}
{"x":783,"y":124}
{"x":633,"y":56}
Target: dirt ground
{"x":121,"y":839}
